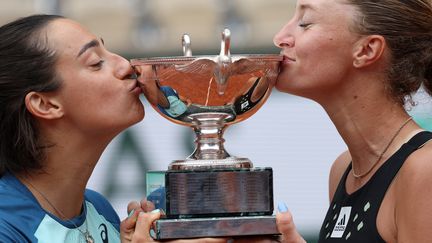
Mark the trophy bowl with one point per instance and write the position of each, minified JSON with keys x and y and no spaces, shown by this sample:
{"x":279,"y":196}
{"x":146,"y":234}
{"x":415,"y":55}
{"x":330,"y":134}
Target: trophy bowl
{"x":208,"y":93}
{"x":210,"y":193}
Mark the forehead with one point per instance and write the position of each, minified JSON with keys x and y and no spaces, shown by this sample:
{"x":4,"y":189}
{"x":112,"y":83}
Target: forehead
{"x":331,"y":12}
{"x":329,"y":7}
{"x":66,"y":37}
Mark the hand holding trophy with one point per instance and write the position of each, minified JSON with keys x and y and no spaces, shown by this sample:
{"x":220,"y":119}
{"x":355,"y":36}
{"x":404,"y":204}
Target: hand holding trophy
{"x":210,"y":193}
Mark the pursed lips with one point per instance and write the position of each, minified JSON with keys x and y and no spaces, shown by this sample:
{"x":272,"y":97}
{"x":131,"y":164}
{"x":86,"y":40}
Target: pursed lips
{"x":287,"y":58}
{"x":134,"y":86}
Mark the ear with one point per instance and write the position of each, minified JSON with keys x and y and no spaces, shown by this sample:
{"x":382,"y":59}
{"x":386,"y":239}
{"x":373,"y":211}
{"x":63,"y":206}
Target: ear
{"x":43,"y":106}
{"x":368,"y":50}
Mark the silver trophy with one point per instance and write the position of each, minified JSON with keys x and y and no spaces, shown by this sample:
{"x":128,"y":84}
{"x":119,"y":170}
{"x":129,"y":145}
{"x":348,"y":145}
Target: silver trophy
{"x":211,"y":193}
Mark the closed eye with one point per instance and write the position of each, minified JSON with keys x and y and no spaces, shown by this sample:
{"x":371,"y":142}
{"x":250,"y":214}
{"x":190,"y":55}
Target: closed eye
{"x":304,"y":25}
{"x":98,"y":64}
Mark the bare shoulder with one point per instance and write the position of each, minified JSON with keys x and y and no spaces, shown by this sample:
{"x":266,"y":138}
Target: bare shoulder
{"x":337,"y":170}
{"x":413,"y":188}
{"x":417,"y":167}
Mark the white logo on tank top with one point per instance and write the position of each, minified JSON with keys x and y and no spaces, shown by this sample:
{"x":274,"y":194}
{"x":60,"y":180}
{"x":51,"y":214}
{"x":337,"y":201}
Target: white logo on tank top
{"x":341,"y":222}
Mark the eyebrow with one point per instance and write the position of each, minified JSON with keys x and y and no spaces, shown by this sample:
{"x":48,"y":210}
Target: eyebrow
{"x":93,"y":43}
{"x":306,"y":6}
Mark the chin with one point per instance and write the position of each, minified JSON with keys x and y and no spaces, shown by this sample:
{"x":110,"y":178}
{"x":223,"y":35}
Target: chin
{"x":281,"y":86}
{"x":139,"y":115}
{"x":292,"y":90}
{"x":131,"y":118}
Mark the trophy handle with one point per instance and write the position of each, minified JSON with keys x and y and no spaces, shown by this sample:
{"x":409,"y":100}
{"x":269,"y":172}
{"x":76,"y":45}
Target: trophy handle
{"x":186,"y":43}
{"x":223,"y":70}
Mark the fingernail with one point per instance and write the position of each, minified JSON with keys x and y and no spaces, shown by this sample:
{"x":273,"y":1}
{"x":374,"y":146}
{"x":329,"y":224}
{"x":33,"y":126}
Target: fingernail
{"x":131,"y":213}
{"x":152,"y":234}
{"x":282,"y":207}
{"x":155,"y":211}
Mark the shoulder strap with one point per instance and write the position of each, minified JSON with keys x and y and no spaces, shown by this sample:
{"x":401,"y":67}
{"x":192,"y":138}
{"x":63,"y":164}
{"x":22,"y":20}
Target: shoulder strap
{"x":420,"y":139}
{"x":385,"y":175}
{"x":416,"y":142}
{"x":391,"y":167}
{"x":340,"y":190}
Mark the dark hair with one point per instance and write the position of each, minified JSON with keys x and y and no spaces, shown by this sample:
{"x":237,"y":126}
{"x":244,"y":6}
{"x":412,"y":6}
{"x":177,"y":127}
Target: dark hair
{"x":26,"y":64}
{"x":407,"y":27}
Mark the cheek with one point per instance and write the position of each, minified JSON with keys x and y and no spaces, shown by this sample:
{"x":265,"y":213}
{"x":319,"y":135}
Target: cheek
{"x":116,"y":105}
{"x":94,"y":97}
{"x":106,"y":115}
{"x":316,"y":51}
{"x":318,"y":64}
{"x":108,"y":103}
{"x":325,"y":55}
{"x":91,"y":100}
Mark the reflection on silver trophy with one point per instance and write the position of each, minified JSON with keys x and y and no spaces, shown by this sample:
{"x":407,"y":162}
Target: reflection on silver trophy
{"x":211,"y":193}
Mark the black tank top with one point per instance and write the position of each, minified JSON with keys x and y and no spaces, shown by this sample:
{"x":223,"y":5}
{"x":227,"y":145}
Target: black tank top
{"x":352,"y":218}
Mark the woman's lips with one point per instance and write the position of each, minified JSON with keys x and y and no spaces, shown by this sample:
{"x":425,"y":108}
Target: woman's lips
{"x":287,"y":59}
{"x":136,"y":89}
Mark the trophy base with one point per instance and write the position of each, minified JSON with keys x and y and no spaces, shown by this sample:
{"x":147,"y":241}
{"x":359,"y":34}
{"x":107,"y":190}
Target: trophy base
{"x":218,"y":192}
{"x":213,"y":203}
{"x":166,"y":229}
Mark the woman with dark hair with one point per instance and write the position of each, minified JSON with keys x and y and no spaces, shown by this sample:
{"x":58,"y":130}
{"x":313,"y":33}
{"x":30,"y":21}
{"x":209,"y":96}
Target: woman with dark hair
{"x":63,"y":98}
{"x":361,"y":60}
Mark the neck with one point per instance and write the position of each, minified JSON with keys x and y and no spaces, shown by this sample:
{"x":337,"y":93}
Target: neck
{"x":367,"y":122}
{"x":64,"y":176}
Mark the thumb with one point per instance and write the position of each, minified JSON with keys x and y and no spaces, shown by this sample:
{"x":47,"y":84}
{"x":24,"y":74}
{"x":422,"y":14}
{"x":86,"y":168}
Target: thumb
{"x":144,"y":225}
{"x":286,"y":226}
{"x":145,"y":220}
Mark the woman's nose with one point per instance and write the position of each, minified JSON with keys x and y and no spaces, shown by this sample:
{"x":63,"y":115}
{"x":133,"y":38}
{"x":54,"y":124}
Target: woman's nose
{"x":284,"y":37}
{"x":124,"y":68}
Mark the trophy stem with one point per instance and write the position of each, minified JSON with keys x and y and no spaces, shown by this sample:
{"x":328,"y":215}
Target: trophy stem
{"x":209,"y":150}
{"x":209,"y":140}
